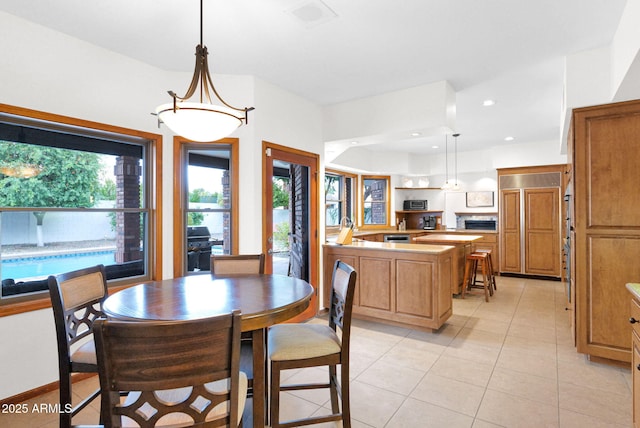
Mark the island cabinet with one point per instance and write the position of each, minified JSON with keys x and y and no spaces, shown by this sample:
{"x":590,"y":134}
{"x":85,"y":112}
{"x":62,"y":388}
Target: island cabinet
{"x":488,"y":241}
{"x":464,"y":245}
{"x":373,"y":237}
{"x":603,"y":147}
{"x":403,"y":284}
{"x":634,"y":319}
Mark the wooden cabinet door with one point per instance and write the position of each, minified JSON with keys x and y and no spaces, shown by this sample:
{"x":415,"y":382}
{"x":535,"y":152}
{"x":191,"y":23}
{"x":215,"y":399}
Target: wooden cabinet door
{"x":635,"y":367}
{"x":606,"y":143}
{"x":542,"y":231}
{"x":510,"y":258}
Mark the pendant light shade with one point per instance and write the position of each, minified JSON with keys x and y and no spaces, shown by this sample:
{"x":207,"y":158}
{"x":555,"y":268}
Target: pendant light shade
{"x":201,"y":121}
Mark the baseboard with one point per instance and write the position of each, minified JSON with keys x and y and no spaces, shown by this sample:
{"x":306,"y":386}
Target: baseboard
{"x":44,"y":389}
{"x":522,"y":275}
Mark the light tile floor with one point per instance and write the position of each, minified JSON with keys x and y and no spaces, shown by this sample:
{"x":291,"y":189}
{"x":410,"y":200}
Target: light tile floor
{"x":506,"y":363}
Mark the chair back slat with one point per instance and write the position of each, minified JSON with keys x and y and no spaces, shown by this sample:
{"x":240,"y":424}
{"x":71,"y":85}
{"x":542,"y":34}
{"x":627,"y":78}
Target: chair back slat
{"x":82,"y":290}
{"x":342,"y":295}
{"x":237,"y":264}
{"x":76,"y":299}
{"x":180,"y":370}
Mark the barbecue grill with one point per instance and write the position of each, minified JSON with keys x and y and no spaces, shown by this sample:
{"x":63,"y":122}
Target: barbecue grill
{"x":198,"y":248}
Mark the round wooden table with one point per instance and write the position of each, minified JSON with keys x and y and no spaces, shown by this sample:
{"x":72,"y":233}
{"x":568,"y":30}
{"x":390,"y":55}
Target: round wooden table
{"x":264,"y":300}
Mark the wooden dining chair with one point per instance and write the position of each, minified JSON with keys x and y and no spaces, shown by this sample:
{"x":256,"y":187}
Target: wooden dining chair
{"x":233,"y":264}
{"x":229,"y":264}
{"x":76,"y":299}
{"x":293,"y":346}
{"x":180,"y":373}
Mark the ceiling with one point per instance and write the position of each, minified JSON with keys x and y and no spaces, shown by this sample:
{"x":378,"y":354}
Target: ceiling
{"x":511,"y":51}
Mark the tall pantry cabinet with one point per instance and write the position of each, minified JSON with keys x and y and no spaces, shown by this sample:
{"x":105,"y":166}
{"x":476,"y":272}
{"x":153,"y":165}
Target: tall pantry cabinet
{"x":604,"y":153}
{"x":530,"y":222}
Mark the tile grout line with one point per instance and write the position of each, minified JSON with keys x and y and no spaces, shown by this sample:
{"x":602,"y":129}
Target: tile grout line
{"x":475,"y":417}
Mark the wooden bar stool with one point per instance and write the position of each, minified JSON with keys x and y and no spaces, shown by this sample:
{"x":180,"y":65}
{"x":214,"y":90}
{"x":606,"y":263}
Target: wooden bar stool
{"x":469,"y":273}
{"x":491,"y":270}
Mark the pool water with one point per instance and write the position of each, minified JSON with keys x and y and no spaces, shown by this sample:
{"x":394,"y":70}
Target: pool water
{"x":38,"y":267}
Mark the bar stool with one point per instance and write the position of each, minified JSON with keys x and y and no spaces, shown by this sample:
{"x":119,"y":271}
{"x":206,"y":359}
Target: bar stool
{"x":491,"y":270}
{"x":470,"y":268}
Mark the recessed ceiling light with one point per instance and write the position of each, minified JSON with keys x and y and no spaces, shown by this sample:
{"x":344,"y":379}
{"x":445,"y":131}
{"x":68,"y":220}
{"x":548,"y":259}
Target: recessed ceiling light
{"x":509,"y":138}
{"x":353,"y":143}
{"x":488,"y":103}
{"x":416,"y":134}
{"x":435,"y":147}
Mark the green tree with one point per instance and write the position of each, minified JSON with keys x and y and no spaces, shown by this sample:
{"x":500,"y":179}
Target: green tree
{"x":280,"y":193}
{"x":107,"y":190}
{"x":281,"y":236}
{"x":67,"y":179}
{"x":195,"y":219}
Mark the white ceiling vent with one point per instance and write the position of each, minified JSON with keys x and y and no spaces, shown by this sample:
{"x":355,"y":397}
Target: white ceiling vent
{"x":311,"y":13}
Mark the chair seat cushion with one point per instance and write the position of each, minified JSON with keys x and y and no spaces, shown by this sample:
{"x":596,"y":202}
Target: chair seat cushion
{"x":178,"y":395}
{"x":301,"y":341}
{"x":85,"y":354}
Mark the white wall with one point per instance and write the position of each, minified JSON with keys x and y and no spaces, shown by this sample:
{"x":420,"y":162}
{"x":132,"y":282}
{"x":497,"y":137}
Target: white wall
{"x":426,"y":108}
{"x":626,"y":52}
{"x":48,"y":71}
{"x":604,"y":75}
{"x":499,"y":156}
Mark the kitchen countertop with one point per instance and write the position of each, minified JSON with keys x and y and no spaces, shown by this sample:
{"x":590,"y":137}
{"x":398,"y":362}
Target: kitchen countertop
{"x":414,"y":248}
{"x":634,"y":288}
{"x":410,"y":231}
{"x":387,"y":232}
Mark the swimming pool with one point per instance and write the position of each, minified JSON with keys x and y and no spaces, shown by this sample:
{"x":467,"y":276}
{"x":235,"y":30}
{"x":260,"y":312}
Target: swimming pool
{"x":42,"y":266}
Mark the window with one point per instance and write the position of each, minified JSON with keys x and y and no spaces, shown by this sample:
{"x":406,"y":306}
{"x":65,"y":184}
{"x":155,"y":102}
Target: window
{"x":209,"y":219}
{"x":375,"y":200}
{"x":71,"y":197}
{"x":205,"y":203}
{"x":338,"y":190}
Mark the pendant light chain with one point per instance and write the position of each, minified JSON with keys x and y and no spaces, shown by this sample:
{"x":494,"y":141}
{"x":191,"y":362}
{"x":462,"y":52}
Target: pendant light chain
{"x":203,"y":120}
{"x":455,"y":152}
{"x":445,"y":186}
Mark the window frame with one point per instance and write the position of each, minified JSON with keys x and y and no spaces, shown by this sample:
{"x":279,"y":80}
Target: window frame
{"x":343,"y":199}
{"x":180,"y":197}
{"x":153,"y":194}
{"x":387,"y":201}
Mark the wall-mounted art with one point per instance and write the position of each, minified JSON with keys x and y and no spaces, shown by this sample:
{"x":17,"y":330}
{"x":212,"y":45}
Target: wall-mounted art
{"x":479,"y":199}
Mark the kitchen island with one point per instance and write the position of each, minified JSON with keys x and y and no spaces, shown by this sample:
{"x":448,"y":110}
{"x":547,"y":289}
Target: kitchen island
{"x":488,"y":241}
{"x":403,"y":284}
{"x":464,"y":247}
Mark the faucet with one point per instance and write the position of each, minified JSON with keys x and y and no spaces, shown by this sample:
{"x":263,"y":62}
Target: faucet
{"x":349,"y":223}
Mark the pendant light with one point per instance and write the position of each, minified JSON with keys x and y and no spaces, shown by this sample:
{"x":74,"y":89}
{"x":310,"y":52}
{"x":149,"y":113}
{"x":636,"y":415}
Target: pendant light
{"x":446,"y":185}
{"x":201,"y":121}
{"x":456,"y":185}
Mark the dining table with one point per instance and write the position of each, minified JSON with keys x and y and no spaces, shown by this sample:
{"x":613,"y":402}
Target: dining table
{"x":263,"y":299}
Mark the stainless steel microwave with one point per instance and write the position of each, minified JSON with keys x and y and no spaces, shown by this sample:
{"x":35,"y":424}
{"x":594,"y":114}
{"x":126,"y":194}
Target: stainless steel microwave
{"x":415,"y":204}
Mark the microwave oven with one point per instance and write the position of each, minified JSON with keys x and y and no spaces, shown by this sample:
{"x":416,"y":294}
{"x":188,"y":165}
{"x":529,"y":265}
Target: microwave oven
{"x":415,"y":204}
